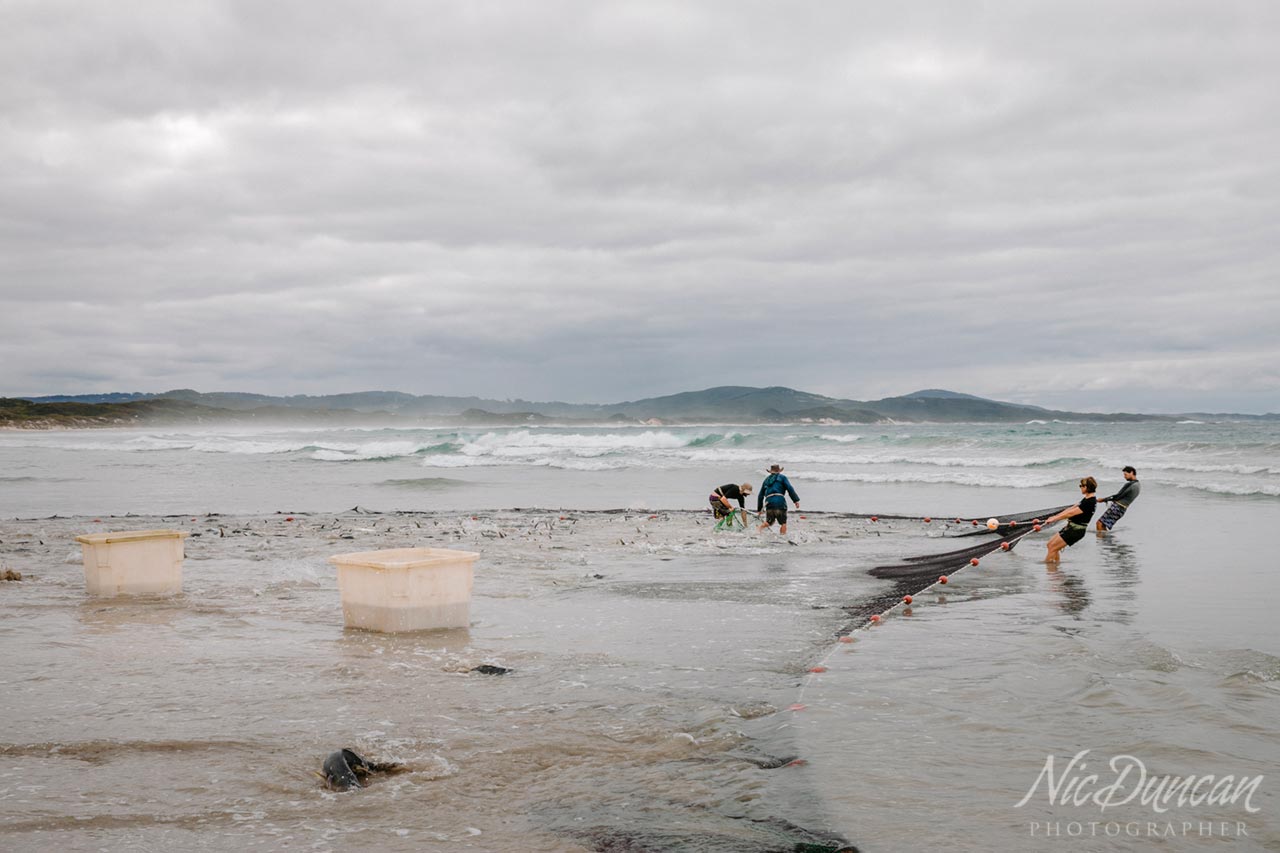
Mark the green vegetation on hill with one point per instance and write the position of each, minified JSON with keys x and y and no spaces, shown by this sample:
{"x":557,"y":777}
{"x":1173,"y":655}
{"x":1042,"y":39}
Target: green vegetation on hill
{"x":24,"y":413}
{"x":724,"y":404}
{"x":69,"y":414}
{"x":480,"y":416}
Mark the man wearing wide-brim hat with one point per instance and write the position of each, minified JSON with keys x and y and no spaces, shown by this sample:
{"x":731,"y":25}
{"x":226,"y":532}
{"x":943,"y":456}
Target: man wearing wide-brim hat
{"x":773,"y":499}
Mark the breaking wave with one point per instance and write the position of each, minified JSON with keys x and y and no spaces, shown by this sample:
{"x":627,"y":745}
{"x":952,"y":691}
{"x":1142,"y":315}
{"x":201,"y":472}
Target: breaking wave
{"x":1244,"y":490}
{"x":1228,"y":459}
{"x":994,"y":479}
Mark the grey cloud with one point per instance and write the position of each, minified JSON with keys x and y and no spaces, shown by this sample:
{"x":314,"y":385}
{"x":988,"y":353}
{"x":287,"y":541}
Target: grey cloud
{"x":603,"y":201}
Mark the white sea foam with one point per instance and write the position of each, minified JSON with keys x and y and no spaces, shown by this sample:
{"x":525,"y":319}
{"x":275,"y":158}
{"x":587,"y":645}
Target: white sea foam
{"x":1235,"y":459}
{"x":960,"y":477}
{"x":359,"y":453}
{"x":246,"y":447}
{"x":749,"y":457}
{"x":197,"y":444}
{"x":1216,"y":469}
{"x":217,"y":444}
{"x":570,"y":463}
{"x":885,"y":458}
{"x":1240,"y":489}
{"x":581,"y":441}
{"x":1026,"y":461}
{"x":442,"y":460}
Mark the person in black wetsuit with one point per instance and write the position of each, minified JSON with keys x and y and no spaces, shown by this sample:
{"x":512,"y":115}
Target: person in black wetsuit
{"x":1077,"y":518}
{"x":1121,"y":500}
{"x":721,"y":497}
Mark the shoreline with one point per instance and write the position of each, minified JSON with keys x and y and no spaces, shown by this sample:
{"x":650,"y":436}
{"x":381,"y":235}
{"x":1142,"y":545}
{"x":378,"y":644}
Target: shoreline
{"x":667,"y":685}
{"x":659,"y":699}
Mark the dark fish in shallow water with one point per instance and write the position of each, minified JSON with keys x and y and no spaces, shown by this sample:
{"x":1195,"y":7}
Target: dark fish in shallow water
{"x":344,"y":769}
{"x":340,"y":770}
{"x":490,"y":669}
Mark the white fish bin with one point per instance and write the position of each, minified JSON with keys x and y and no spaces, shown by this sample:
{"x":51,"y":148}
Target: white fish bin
{"x":134,"y":562}
{"x":405,"y":589}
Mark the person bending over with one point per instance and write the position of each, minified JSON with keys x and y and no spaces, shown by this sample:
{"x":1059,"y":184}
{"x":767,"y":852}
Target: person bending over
{"x":721,"y":498}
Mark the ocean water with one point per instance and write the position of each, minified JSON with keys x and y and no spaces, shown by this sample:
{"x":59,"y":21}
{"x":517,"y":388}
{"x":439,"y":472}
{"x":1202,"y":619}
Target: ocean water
{"x":876,"y":468}
{"x":673,"y":688}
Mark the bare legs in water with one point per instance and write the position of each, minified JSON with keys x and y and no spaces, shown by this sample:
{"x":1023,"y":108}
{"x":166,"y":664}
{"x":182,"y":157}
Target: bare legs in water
{"x":1056,"y":544}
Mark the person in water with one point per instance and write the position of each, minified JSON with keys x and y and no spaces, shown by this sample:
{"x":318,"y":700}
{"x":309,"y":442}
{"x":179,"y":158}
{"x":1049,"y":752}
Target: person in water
{"x":1121,"y":500}
{"x":1077,"y":518}
{"x":721,"y":498}
{"x":773,"y":499}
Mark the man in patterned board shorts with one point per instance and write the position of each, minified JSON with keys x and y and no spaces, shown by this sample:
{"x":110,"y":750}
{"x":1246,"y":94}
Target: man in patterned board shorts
{"x":1120,"y":501}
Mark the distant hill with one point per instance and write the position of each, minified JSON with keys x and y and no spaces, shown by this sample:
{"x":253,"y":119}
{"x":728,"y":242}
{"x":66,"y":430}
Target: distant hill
{"x":958,"y":407}
{"x":733,"y":401}
{"x":723,"y":404}
{"x":24,"y":413}
{"x":93,"y":398}
{"x":941,"y":394}
{"x":73,"y":413}
{"x":363,"y":401}
{"x":949,"y":406}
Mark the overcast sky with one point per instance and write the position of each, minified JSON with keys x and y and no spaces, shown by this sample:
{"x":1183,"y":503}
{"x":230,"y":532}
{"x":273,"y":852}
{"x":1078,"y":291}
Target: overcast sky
{"x":1070,"y":204}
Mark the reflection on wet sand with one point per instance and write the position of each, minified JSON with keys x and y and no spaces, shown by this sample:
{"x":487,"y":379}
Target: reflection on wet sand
{"x":1119,"y":560}
{"x":106,"y":616}
{"x":1120,"y":570}
{"x":639,"y":710}
{"x":1119,"y":565}
{"x":1072,"y":594}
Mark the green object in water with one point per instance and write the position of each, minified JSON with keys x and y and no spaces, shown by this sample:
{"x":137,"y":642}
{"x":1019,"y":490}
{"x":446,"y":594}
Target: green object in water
{"x":732,"y":521}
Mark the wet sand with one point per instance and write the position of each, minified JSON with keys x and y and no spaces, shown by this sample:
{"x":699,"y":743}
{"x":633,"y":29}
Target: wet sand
{"x":655,"y":669}
{"x":652,"y":665}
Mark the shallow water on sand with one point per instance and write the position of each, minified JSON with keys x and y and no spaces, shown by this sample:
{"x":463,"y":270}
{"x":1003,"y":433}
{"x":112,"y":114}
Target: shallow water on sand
{"x":1154,"y":645}
{"x":649,"y":660}
{"x":655,"y":665}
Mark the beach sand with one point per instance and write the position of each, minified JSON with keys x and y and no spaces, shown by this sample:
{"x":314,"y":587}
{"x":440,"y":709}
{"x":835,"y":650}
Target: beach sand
{"x":653,"y":662}
{"x":659,"y":696}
